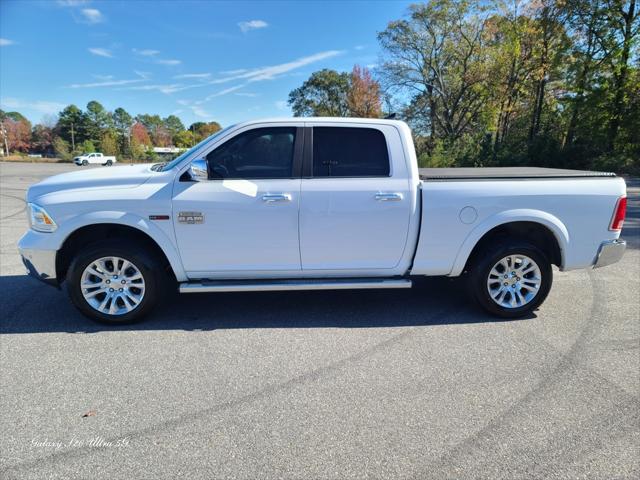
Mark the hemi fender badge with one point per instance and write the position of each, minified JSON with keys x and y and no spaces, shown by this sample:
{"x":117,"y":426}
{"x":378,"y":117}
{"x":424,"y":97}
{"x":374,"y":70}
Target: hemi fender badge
{"x":159,"y":217}
{"x":190,"y":217}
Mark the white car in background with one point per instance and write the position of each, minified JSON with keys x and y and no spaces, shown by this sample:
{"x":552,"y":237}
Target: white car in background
{"x":95,"y":157}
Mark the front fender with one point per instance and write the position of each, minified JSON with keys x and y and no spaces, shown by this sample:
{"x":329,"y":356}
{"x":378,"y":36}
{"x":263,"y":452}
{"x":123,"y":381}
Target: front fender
{"x":553,"y":223}
{"x":157,"y":234}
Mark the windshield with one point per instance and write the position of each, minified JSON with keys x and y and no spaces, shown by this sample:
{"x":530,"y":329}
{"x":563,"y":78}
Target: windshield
{"x":169,"y":165}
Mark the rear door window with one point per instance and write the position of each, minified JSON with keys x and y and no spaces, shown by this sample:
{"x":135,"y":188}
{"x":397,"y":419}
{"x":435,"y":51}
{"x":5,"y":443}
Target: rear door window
{"x":349,"y":152}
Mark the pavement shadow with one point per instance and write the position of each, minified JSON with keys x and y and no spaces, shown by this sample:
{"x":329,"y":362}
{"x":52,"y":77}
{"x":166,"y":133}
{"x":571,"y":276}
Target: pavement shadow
{"x":32,"y":307}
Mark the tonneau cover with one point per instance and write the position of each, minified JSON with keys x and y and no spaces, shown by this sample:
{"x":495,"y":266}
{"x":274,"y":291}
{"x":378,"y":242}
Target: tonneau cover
{"x":505,"y":173}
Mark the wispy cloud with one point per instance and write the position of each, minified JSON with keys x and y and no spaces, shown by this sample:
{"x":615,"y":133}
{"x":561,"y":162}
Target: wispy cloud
{"x":142,"y":74}
{"x":169,"y":62}
{"x":199,"y":111}
{"x":71,"y":3}
{"x":104,"y":78}
{"x":269,"y":73}
{"x":234,"y":72}
{"x":145,"y":52}
{"x":164,"y":88}
{"x":221,"y":93}
{"x":281,"y":104}
{"x":92,"y":15}
{"x":246,"y":94}
{"x":5,"y":42}
{"x":197,"y":76}
{"x":106,"y":83}
{"x":252,"y":25}
{"x":359,"y":47}
{"x":101,"y":52}
{"x":41,"y":106}
{"x":256,"y":74}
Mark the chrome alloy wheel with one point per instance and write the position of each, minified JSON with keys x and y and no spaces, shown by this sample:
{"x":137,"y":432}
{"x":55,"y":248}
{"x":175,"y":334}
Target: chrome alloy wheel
{"x":112,"y":285}
{"x":514,"y":281}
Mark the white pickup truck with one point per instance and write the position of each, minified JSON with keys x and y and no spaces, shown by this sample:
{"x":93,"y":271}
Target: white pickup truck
{"x":315,"y":203}
{"x":95,"y":157}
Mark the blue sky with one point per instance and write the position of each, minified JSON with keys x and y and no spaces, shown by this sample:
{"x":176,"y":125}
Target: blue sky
{"x":200,"y":60}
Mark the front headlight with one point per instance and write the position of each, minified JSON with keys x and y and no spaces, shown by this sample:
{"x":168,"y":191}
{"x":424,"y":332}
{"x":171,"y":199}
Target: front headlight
{"x":40,"y":220}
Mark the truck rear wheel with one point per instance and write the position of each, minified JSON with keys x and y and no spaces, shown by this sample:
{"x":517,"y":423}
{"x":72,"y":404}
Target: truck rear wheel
{"x":109,"y":163}
{"x":511,"y":279}
{"x":115,"y":281}
{"x":85,"y":163}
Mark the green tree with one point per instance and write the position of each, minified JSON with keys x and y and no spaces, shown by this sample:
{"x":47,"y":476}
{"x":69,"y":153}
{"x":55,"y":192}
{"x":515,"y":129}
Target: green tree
{"x":184,"y":139}
{"x":437,"y":57}
{"x":173,"y":125}
{"x":202,"y":130}
{"x":122,"y":123}
{"x":96,"y":120}
{"x":70,"y":125}
{"x":88,"y":147}
{"x":109,"y":144}
{"x":324,"y":94}
{"x":61,"y":147}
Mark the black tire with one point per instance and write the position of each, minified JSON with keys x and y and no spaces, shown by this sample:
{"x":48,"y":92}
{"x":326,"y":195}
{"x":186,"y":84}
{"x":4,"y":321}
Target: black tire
{"x":490,"y":256}
{"x":109,"y":163}
{"x":154,"y":275}
{"x":85,"y":163}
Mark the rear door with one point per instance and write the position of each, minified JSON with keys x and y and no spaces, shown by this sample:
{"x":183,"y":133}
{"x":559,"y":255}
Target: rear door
{"x":355,"y":204}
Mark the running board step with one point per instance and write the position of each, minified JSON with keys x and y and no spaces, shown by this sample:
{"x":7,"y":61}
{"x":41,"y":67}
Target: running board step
{"x":275,"y":285}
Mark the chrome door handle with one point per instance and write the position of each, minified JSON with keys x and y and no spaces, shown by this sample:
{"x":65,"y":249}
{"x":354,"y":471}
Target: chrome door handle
{"x":276,"y":197}
{"x":388,"y":197}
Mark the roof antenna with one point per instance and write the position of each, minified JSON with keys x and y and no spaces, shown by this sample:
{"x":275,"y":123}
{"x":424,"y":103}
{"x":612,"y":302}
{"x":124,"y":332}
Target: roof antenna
{"x":391,"y":116}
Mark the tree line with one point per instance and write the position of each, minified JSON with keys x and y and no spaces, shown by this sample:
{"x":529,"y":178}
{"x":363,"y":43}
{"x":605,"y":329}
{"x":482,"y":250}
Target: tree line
{"x":496,"y":83}
{"x":75,"y":131}
{"x":514,"y":82}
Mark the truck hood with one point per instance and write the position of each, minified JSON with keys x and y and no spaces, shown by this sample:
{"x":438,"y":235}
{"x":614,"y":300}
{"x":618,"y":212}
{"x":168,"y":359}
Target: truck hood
{"x":127,"y":176}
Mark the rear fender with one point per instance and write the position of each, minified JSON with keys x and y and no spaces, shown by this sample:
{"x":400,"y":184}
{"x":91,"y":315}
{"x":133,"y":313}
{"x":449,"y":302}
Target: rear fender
{"x":545,"y":219}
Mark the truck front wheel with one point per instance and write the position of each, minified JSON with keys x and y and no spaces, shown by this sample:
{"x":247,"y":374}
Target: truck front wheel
{"x":115,"y":281}
{"x":511,"y":279}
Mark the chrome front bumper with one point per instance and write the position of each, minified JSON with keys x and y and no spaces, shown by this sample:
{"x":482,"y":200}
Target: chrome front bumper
{"x":41,"y":264}
{"x":610,"y":252}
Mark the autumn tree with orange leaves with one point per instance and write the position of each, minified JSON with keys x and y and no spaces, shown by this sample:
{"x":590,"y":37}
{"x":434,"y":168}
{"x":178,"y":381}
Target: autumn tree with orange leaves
{"x":327,"y":93}
{"x":363,"y":97}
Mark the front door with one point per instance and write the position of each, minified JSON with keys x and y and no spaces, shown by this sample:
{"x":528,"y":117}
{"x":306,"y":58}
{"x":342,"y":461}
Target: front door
{"x":244,"y":219}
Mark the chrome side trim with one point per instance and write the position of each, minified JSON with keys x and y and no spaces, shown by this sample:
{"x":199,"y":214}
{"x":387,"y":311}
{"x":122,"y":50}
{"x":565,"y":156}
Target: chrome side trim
{"x":277,"y":285}
{"x":610,"y":252}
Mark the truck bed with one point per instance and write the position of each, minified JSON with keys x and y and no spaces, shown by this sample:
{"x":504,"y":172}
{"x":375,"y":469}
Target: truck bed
{"x":505,"y":173}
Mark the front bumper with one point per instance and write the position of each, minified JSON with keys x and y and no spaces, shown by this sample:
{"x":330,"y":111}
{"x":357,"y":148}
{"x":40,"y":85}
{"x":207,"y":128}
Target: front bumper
{"x":41,"y":264}
{"x":610,"y":252}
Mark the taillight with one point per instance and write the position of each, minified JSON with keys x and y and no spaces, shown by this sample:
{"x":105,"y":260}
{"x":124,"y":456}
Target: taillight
{"x":619,"y":214}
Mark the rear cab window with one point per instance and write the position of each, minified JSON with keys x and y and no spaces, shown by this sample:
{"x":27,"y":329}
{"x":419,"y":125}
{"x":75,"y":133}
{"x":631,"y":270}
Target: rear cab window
{"x":349,"y":152}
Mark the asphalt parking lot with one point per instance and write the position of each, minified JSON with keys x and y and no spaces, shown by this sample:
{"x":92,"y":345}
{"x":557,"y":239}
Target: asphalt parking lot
{"x":331,"y":385}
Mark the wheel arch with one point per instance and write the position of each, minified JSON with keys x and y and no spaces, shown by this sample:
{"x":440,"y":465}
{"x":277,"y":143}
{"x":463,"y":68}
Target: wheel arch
{"x":540,"y":228}
{"x":119,"y":228}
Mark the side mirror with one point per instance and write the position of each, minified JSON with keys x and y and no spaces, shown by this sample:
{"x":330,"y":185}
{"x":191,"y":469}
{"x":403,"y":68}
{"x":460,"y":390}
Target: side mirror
{"x":198,"y":170}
